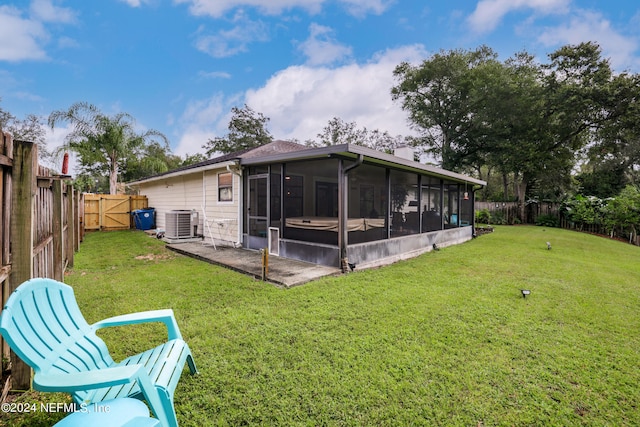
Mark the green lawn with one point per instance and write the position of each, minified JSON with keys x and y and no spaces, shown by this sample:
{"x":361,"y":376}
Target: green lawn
{"x":442,"y":339}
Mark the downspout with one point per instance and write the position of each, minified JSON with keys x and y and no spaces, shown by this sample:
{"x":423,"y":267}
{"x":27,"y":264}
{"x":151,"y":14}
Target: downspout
{"x":343,"y":210}
{"x":240,"y":212}
{"x":473,"y":210}
{"x":204,"y":202}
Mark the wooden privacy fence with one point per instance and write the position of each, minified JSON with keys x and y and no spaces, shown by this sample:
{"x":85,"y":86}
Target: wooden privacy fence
{"x":509,"y":212}
{"x":41,"y":229}
{"x":111,"y":212}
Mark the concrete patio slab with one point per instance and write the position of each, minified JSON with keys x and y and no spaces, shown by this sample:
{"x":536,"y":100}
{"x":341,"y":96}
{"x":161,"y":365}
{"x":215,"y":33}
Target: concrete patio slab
{"x":282,"y":271}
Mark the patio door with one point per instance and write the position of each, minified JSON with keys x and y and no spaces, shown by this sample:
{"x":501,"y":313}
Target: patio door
{"x":258,"y":211}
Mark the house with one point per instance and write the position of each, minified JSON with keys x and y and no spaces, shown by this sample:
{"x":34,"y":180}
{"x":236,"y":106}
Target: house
{"x":339,"y":205}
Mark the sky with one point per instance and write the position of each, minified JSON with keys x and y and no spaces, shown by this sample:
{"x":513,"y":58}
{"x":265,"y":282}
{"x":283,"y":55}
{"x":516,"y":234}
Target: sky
{"x":179,"y":66}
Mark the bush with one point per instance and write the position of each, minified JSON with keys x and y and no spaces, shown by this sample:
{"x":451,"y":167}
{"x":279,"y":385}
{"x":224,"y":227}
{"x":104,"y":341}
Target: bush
{"x":548,"y":221}
{"x":483,"y":216}
{"x":499,"y":218}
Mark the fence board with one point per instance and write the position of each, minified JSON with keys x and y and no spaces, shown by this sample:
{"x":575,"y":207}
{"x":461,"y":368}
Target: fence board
{"x":116,"y":212}
{"x":37,"y":215}
{"x":22,"y":235}
{"x":109,"y":212}
{"x":91,"y":211}
{"x":6,"y":150}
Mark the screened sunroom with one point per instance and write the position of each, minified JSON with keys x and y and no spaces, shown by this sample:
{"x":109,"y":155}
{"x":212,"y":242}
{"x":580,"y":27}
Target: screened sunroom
{"x":348,"y":205}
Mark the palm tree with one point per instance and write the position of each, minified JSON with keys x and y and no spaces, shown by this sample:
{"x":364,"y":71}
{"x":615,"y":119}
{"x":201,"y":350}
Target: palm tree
{"x":103,"y":142}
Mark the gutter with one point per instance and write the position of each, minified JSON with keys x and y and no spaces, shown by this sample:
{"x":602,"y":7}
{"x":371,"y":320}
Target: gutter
{"x":237,"y":172}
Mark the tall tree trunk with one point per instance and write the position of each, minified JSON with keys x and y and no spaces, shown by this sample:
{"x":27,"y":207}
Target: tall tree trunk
{"x":521,"y":189}
{"x":113,"y":178}
{"x":505,"y":186}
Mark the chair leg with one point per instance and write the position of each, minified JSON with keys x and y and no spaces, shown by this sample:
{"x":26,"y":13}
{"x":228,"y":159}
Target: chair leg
{"x":170,"y":411}
{"x":192,"y":365}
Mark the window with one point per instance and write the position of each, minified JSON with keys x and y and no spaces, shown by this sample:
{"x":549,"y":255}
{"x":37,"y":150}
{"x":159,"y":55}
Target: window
{"x":225,"y":187}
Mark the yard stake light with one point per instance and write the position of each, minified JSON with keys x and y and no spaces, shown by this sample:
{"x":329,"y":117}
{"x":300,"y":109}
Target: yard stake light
{"x":525,"y":292}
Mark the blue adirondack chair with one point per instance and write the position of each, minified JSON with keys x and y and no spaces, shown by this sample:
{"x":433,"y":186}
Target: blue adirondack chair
{"x":42,"y":323}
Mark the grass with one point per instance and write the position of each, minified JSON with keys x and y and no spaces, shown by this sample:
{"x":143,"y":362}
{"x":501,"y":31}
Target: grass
{"x":442,"y":339}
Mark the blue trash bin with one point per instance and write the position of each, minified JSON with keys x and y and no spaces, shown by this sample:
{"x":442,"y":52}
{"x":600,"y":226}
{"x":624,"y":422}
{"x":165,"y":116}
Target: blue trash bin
{"x":144,"y":219}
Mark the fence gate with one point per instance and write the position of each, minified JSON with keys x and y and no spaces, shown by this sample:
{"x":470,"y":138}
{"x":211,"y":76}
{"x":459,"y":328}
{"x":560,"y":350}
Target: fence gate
{"x":116,"y":213}
{"x":110,"y":212}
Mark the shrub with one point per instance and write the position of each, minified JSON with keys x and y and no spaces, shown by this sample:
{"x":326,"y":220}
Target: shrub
{"x":548,"y":221}
{"x":499,"y":218}
{"x":483,"y":216}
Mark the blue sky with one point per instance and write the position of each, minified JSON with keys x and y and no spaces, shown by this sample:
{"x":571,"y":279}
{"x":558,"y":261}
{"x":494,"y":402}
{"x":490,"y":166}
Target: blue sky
{"x":178,"y":66}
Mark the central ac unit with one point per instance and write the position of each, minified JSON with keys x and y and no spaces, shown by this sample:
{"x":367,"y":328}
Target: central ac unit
{"x":181,"y":224}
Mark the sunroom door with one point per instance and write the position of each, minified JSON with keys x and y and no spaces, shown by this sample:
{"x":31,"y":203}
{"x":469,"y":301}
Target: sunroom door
{"x":258,"y":211}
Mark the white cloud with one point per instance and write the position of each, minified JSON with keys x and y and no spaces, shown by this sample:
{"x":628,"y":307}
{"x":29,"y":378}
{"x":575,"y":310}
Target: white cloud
{"x":592,"y":26}
{"x":202,"y":119}
{"x":217,"y":8}
{"x":46,"y":11}
{"x":488,"y":13}
{"x":363,"y":7}
{"x":227,"y":43}
{"x":214,"y":75}
{"x":23,"y":38}
{"x":300,"y":100}
{"x":135,"y":3}
{"x":68,"y":43}
{"x":321,"y":48}
{"x":20,"y":38}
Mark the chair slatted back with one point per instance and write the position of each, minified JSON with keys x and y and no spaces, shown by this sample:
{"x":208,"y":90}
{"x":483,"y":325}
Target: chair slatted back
{"x":43,"y":324}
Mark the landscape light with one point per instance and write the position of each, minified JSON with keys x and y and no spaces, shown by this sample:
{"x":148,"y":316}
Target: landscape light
{"x":525,"y":292}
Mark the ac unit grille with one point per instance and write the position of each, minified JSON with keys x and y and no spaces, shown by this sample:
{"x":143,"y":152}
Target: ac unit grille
{"x":178,"y":224}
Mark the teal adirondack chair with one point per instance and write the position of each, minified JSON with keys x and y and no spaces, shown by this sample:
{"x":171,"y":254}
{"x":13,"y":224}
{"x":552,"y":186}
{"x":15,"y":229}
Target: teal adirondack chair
{"x":42,"y":323}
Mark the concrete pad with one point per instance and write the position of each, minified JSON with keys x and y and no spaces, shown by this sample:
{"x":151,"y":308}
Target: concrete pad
{"x":282,"y":271}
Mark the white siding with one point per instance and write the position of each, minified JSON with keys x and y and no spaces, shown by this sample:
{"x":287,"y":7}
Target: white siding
{"x":187,"y":192}
{"x":222,"y":216}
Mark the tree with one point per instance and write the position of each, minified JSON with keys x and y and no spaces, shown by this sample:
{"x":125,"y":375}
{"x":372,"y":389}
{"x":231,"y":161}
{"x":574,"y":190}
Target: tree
{"x":443,"y":96}
{"x":623,"y":211}
{"x":602,"y":179}
{"x":103,"y":143}
{"x":338,"y":131}
{"x":585,"y":210}
{"x":523,"y":119}
{"x":247,"y":129}
{"x":614,"y":153}
{"x":31,"y":129}
{"x":153,"y":158}
{"x":557,"y":109}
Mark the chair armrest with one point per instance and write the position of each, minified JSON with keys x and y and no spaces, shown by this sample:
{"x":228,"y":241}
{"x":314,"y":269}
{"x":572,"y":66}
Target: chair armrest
{"x":88,"y":380}
{"x":165,"y":316}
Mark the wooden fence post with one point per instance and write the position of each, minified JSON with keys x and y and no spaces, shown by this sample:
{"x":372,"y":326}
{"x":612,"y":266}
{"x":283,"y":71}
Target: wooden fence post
{"x":58,"y":232}
{"x":70,"y":241}
{"x":6,"y":161}
{"x":80,"y":219}
{"x":25,"y":157}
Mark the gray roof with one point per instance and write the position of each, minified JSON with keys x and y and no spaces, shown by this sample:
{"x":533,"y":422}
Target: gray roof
{"x":369,"y":155}
{"x":280,"y":151}
{"x":273,"y":148}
